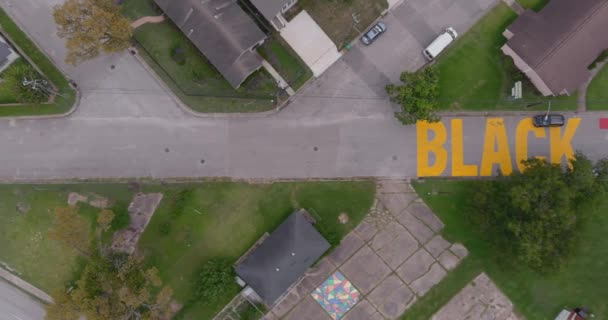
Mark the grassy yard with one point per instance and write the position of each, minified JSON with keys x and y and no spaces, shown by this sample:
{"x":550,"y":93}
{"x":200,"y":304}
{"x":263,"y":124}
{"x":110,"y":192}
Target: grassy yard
{"x":194,"y":223}
{"x":222,"y":220}
{"x":287,"y":63}
{"x":535,"y":5}
{"x":476,"y":75}
{"x":597,"y":93}
{"x":582,"y":281}
{"x":336,"y":16}
{"x":196,"y":81}
{"x":67,"y":96}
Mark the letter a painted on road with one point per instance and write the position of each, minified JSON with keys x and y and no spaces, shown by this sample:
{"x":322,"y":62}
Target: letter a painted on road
{"x":496,"y":148}
{"x":435,"y":146}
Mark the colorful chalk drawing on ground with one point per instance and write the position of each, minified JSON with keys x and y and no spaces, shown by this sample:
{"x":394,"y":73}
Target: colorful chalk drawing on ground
{"x":336,"y":295}
{"x":433,"y":138}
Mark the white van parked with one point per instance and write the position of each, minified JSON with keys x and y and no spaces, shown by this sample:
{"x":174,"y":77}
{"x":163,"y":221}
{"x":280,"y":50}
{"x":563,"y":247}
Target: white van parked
{"x":439,"y":44}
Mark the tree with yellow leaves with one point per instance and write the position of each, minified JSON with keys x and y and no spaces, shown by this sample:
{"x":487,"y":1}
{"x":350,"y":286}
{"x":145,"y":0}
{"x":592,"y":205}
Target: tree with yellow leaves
{"x":92,"y":27}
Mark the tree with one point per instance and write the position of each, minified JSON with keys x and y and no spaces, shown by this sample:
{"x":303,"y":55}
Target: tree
{"x":71,"y":229}
{"x":214,"y":278}
{"x":417,"y":95}
{"x":104,"y":219}
{"x":111,"y":287}
{"x":92,"y":27}
{"x":534,"y":215}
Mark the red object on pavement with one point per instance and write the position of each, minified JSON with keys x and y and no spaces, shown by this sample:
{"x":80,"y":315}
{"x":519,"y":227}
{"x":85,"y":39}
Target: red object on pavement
{"x":604,"y":123}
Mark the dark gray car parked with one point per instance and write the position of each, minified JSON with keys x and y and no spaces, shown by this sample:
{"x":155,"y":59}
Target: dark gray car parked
{"x":373,"y":33}
{"x":549,"y":120}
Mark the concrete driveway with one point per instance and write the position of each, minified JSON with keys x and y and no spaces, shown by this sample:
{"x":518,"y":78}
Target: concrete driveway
{"x":411,"y":27}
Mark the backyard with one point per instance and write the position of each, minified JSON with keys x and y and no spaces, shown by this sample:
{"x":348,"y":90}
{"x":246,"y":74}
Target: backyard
{"x":582,"y":281}
{"x":336,"y":17}
{"x":63,"y":101}
{"x":476,"y":75}
{"x":195,"y":81}
{"x":194,"y":223}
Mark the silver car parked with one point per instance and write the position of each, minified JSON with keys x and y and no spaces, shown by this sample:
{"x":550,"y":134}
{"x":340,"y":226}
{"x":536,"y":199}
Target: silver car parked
{"x":373,"y":33}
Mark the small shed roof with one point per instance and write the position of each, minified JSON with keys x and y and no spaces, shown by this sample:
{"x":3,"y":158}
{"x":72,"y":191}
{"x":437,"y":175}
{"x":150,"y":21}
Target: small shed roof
{"x":272,"y":267}
{"x":269,"y":8}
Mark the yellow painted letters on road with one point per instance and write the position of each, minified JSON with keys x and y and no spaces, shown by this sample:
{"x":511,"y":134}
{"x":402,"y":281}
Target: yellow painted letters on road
{"x":524,"y":127}
{"x":562,"y":145}
{"x":459,"y":169}
{"x":496,"y":148}
{"x":435,"y":146}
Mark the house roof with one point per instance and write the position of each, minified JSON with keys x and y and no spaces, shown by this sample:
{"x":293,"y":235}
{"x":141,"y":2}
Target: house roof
{"x":272,"y":267}
{"x":222,"y":31}
{"x":562,"y":40}
{"x":269,"y":8}
{"x":5,"y":49}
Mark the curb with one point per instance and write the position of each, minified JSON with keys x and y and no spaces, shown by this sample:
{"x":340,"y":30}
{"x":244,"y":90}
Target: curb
{"x":478,"y":114}
{"x":25,"y":286}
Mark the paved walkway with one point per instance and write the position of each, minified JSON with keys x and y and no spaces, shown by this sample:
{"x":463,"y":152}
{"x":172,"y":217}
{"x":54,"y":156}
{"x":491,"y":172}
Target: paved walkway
{"x":582,"y":90}
{"x":393,"y":258}
{"x":143,"y":20}
{"x":279,"y":79}
{"x":515,"y":6}
{"x":480,"y":299}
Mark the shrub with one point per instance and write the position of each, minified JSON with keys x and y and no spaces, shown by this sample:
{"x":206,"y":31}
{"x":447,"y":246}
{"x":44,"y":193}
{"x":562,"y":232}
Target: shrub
{"x":122,"y":219}
{"x":14,"y":77}
{"x":214,"y":279}
{"x":178,"y":54}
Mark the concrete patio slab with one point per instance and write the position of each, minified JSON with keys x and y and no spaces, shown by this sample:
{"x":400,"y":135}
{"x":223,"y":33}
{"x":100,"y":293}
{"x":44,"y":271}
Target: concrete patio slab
{"x":416,"y":266}
{"x":397,"y":202}
{"x":421,"y":211}
{"x":365,"y":269}
{"x":423,"y":284}
{"x":363,"y":311}
{"x":417,"y":228}
{"x":286,"y":304}
{"x":459,"y":250}
{"x":448,"y":260}
{"x":392,"y":186}
{"x":480,"y":299}
{"x":394,"y":244}
{"x":437,"y":245}
{"x":392,"y":297}
{"x":308,"y":309}
{"x":366,"y":229}
{"x":349,"y":245}
{"x":320,"y":271}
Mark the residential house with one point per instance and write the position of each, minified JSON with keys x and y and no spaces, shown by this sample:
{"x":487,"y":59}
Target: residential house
{"x":273,"y":11}
{"x":271,"y":267}
{"x":222,"y":31}
{"x":7,"y":54}
{"x":555,"y":46}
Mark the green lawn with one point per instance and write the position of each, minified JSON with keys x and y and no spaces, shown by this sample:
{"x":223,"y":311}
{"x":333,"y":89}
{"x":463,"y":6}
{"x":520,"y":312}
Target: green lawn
{"x":222,"y":220}
{"x":597,"y":93}
{"x":335,"y":17}
{"x":582,"y":281}
{"x":535,"y":5}
{"x":287,"y":63}
{"x":67,"y":97}
{"x":196,"y":82}
{"x":476,"y":75}
{"x":194,"y":223}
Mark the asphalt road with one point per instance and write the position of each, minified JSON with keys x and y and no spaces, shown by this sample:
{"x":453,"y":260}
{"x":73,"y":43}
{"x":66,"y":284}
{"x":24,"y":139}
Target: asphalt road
{"x":16,"y":305}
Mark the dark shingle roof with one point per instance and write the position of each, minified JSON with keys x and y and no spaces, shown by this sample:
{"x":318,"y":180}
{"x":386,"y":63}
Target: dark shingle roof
{"x":5,"y":51}
{"x":562,"y":40}
{"x":222,"y":31}
{"x":269,"y":8}
{"x":283,"y":257}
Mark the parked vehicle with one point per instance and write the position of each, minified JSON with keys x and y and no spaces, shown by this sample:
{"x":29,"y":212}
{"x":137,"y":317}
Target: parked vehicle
{"x":372,"y":34}
{"x":440,"y":43}
{"x":549,"y":120}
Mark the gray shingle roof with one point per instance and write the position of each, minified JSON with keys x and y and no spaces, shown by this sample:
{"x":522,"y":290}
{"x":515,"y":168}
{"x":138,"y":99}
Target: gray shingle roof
{"x":5,"y":51}
{"x":269,"y":8}
{"x":283,"y":257}
{"x":561,"y":40}
{"x":222,"y":31}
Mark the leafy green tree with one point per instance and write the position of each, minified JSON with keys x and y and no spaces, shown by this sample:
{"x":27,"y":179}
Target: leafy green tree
{"x":92,"y":27}
{"x":111,"y":287}
{"x":71,"y":229}
{"x":417,"y":95}
{"x":535,"y":215}
{"x":214,"y":278}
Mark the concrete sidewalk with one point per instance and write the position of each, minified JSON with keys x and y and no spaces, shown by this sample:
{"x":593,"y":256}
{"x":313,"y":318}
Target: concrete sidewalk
{"x":25,"y":286}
